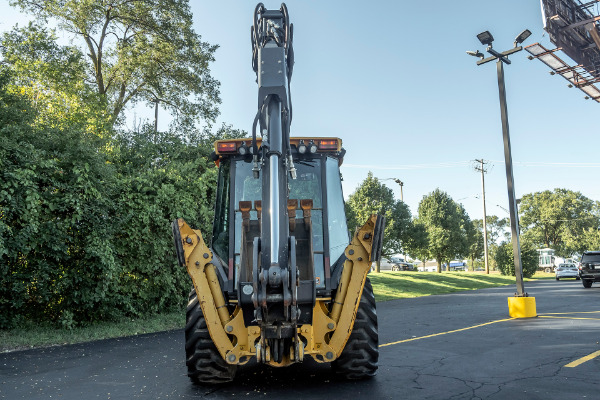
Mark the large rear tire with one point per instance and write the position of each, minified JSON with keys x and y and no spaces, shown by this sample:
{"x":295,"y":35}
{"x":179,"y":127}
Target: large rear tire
{"x":586,"y":283}
{"x":359,"y":358}
{"x":204,"y":362}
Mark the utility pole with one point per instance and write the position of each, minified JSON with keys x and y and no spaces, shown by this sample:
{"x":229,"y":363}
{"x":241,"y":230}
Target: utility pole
{"x":482,"y":169}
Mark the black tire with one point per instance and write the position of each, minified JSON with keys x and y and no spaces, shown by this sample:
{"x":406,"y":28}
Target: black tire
{"x":586,"y":283}
{"x":359,"y":358}
{"x":557,"y":278}
{"x":204,"y":362}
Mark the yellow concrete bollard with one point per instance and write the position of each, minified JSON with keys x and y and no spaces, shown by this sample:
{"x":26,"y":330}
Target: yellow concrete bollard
{"x":521,"y":307}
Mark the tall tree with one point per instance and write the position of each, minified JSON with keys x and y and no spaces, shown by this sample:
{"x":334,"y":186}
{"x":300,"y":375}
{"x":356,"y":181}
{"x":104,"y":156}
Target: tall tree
{"x":416,"y":241}
{"x":53,"y":78}
{"x":591,"y":239}
{"x":504,"y":258}
{"x":373,"y":197}
{"x":446,"y":224}
{"x":497,"y":229}
{"x":476,"y":250}
{"x":142,"y":51}
{"x":558,"y":219}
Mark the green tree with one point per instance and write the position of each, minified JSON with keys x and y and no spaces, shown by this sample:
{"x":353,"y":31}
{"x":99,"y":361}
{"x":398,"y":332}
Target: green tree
{"x":53,"y":78}
{"x":85,"y":232}
{"x":558,"y":219}
{"x":591,"y":239}
{"x":56,"y":256}
{"x":505,"y":260}
{"x":446,"y":223}
{"x":416,"y":242}
{"x":373,"y":197}
{"x":497,"y":228}
{"x":476,"y":250}
{"x":142,"y":51}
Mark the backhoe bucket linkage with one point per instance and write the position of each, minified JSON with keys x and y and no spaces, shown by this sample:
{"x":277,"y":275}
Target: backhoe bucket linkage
{"x":331,"y":326}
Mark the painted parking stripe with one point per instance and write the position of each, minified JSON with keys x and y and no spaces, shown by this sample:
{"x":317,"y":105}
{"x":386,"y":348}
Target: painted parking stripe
{"x":580,"y":361}
{"x":445,"y":333}
{"x":569,"y":313}
{"x":552,"y":316}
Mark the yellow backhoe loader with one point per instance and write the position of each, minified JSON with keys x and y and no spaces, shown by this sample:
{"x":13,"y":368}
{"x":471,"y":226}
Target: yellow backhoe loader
{"x":283,"y":278}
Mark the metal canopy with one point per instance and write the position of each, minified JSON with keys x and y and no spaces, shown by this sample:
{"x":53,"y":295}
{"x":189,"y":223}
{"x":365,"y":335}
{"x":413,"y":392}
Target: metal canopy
{"x":577,"y":75}
{"x":572,"y":26}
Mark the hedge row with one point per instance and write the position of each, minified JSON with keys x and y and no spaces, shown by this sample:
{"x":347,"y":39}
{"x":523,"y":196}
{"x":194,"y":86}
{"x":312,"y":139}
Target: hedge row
{"x":85,"y":221}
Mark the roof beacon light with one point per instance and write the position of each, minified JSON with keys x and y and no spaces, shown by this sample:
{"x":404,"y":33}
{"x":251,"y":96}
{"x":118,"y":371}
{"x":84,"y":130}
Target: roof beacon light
{"x":328,"y":144}
{"x":226,"y":147}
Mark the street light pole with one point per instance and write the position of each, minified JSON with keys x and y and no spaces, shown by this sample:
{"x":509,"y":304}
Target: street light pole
{"x":486,"y":38}
{"x":399,"y":182}
{"x":510,"y":182}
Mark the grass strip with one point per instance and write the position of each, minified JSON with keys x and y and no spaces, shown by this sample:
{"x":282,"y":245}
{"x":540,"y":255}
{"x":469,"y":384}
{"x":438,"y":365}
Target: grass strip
{"x":399,"y":285}
{"x":387,"y":286}
{"x":31,"y":335}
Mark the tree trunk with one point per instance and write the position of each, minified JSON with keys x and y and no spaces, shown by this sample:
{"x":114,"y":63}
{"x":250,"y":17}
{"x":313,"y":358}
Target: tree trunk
{"x":439,"y":265}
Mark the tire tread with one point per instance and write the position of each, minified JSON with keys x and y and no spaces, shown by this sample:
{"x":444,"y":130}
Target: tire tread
{"x":361,"y":353}
{"x":204,"y":362}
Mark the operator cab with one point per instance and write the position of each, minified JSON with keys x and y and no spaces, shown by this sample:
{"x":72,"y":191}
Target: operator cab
{"x":315,"y":212}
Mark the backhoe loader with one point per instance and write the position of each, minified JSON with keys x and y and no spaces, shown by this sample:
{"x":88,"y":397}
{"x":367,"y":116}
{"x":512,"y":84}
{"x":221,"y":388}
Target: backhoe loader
{"x":283,"y":278}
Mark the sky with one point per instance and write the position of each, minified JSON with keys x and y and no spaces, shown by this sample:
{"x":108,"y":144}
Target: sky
{"x":392,"y":79}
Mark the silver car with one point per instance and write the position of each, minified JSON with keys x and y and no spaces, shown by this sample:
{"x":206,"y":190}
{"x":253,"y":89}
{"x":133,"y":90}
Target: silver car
{"x":393,"y":264}
{"x":566,"y":271}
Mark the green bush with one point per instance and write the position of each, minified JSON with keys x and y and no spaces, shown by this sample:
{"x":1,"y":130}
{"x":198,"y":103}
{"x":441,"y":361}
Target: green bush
{"x":85,"y":217}
{"x":505,"y":260}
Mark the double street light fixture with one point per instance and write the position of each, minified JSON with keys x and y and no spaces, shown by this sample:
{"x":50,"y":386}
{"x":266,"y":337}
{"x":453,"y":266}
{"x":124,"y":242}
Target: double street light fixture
{"x":399,"y":182}
{"x":501,"y":58}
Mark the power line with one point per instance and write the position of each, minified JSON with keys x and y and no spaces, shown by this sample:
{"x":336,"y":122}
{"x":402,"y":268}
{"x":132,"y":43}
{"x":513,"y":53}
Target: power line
{"x":412,"y":166}
{"x":454,"y":164}
{"x":549,"y":164}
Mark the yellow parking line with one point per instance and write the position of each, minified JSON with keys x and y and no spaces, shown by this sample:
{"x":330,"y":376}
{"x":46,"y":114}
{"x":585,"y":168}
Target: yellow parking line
{"x":551,"y":316}
{"x":575,"y":363}
{"x":445,"y":333}
{"x":568,"y":313}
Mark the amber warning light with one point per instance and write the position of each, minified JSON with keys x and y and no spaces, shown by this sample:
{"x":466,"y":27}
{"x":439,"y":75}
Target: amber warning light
{"x":328,"y":144}
{"x":226,"y":147}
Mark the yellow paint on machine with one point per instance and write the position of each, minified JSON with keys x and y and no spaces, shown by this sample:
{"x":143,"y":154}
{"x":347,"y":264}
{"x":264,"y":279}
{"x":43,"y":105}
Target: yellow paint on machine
{"x":324,"y":339}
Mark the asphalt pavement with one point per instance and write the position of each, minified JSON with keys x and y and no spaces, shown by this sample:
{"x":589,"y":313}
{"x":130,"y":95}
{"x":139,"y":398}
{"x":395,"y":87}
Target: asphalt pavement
{"x":456,"y":346}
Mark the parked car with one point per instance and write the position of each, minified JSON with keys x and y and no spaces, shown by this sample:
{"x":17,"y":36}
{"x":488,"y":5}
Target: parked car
{"x":393,"y":264}
{"x":589,"y":268}
{"x":566,"y":270}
